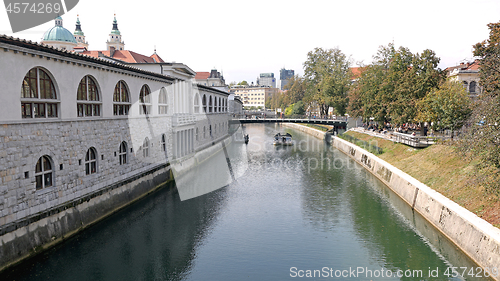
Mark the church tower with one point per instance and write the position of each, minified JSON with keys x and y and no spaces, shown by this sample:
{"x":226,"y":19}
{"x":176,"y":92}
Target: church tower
{"x":79,"y":35}
{"x":115,"y":38}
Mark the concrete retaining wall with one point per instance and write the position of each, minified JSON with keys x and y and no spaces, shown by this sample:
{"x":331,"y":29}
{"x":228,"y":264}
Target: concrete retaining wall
{"x":308,"y":130}
{"x":473,"y":235}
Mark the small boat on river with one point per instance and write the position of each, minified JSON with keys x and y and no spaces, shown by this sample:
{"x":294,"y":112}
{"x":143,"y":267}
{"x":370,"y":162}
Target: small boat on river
{"x":282,"y":139}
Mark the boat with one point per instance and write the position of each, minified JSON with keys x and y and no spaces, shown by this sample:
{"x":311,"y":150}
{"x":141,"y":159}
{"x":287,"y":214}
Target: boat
{"x":282,"y":139}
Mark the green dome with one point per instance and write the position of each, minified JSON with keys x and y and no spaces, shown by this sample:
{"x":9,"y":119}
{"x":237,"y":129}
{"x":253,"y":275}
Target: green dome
{"x":59,"y":33}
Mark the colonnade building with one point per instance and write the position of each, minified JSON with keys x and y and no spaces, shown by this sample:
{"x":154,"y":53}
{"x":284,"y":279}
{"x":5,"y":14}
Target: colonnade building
{"x":83,"y":134}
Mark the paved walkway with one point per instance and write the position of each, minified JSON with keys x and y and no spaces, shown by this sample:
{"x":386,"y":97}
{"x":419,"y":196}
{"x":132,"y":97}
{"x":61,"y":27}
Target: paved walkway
{"x":413,"y":141}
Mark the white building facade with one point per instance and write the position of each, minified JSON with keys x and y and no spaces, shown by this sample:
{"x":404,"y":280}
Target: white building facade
{"x":83,"y":136}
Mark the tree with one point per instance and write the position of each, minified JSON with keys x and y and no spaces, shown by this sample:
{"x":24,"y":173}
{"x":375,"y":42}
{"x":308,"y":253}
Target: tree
{"x":390,"y":88}
{"x":482,"y":138}
{"x":298,"y":108}
{"x":296,"y":89}
{"x":243,"y":83}
{"x":327,"y":76}
{"x":447,"y":107}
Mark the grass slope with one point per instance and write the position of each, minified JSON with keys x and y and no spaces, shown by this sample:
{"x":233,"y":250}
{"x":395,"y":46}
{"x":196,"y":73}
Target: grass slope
{"x":441,"y":168}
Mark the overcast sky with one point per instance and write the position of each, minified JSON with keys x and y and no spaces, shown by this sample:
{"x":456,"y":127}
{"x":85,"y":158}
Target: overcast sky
{"x":245,"y":38}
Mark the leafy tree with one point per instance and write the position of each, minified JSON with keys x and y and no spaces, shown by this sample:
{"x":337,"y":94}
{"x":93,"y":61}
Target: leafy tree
{"x":327,"y":77}
{"x":289,"y":110}
{"x":483,"y":134}
{"x":298,"y":108}
{"x":390,"y":88}
{"x":243,"y":83}
{"x":448,"y":106}
{"x":296,"y":89}
{"x":295,"y":109}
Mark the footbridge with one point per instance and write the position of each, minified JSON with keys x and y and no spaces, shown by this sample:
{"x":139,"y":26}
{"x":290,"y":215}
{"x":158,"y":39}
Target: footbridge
{"x":336,"y":124}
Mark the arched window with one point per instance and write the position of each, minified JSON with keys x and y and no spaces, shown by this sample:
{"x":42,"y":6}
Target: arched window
{"x":121,"y":99}
{"x":44,"y":172}
{"x":122,"y":153}
{"x":91,"y":161}
{"x":162,"y":101}
{"x":145,"y":148}
{"x":210,"y":104}
{"x":145,"y":100}
{"x":38,"y":95}
{"x":472,"y":87}
{"x":220,"y":105}
{"x":196,"y":103}
{"x":204,"y":102}
{"x":215,"y":104}
{"x":88,"y":98}
{"x":225,"y":105}
{"x":163,"y":142}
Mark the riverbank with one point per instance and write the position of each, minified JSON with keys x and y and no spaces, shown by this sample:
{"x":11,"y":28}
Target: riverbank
{"x":443,"y":170}
{"x":474,"y":236}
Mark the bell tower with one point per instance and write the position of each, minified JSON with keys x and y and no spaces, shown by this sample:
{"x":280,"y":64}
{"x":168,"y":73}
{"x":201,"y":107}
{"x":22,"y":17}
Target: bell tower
{"x":115,"y":38}
{"x":79,"y":35}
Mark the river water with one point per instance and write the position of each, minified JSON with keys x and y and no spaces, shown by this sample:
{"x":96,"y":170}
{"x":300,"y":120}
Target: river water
{"x":304,"y":210}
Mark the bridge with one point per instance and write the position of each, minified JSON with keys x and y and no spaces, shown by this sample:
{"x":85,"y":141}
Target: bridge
{"x":336,"y":124}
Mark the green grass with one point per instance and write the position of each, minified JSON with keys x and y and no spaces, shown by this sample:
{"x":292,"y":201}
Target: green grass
{"x":323,"y":128}
{"x":441,"y":168}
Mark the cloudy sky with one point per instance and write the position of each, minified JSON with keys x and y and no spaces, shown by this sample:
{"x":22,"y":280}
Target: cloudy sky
{"x":244,"y":38}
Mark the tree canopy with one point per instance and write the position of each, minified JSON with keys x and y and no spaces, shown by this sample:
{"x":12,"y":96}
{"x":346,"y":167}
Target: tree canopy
{"x":327,"y":77}
{"x":390,"y":88}
{"x":483,"y":133}
{"x":447,"y":107}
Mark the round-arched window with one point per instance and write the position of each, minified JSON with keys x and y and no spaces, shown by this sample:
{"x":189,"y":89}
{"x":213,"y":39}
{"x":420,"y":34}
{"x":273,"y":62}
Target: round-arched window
{"x":121,"y":99}
{"x":88,"y":98}
{"x":38,"y":95}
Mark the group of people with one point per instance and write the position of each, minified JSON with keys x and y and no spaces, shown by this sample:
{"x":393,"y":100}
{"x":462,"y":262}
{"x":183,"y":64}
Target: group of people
{"x":406,"y":128}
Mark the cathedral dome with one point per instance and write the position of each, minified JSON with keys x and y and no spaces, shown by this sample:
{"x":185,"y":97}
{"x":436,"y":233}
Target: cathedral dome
{"x":59,"y":33}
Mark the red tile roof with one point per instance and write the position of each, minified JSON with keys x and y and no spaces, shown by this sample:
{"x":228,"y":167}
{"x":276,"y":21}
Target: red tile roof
{"x":202,"y":75}
{"x":356,"y":72}
{"x":473,"y":66}
{"x":465,"y":66}
{"x":125,"y":56}
{"x":156,"y":57}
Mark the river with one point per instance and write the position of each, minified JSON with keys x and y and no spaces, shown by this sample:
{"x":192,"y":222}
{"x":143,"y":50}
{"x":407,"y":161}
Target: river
{"x":303,"y":210}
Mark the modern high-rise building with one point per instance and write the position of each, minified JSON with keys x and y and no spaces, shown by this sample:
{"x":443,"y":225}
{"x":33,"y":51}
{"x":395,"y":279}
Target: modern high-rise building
{"x":285,"y":75}
{"x":267,"y":79}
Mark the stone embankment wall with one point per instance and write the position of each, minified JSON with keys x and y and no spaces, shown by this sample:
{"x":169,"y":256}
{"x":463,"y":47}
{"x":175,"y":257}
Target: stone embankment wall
{"x":47,"y":228}
{"x":32,"y":220}
{"x":474,"y":236}
{"x":308,"y":130}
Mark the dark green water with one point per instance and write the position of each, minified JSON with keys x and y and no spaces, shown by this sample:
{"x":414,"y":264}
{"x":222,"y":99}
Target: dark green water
{"x":306,"y":207}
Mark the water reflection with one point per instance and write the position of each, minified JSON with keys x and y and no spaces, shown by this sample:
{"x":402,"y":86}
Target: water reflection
{"x":306,"y":207}
{"x":154,"y":239}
